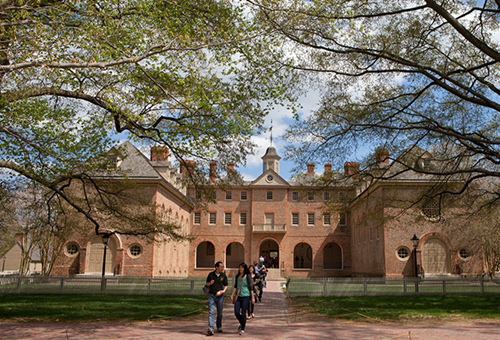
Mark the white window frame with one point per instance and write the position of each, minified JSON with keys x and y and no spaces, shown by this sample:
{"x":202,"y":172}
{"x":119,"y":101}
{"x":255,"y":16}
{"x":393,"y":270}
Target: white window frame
{"x":295,"y":196}
{"x":342,"y":219}
{"x":326,"y":196}
{"x":243,"y":218}
{"x":228,"y":216}
{"x":295,"y":215}
{"x":309,"y":216}
{"x":197,"y":218}
{"x":210,"y":215}
{"x":269,"y":193}
{"x":327,"y":219}
{"x":229,"y":195}
{"x":244,"y":195}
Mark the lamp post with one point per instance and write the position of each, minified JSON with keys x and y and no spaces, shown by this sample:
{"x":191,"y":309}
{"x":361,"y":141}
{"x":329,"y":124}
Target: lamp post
{"x":3,"y":265}
{"x":105,"y":240}
{"x":415,"y":241}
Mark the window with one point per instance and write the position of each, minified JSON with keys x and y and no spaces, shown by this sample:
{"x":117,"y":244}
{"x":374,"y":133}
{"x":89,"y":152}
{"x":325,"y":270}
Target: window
{"x":229,"y":195}
{"x":326,"y":196}
{"x":403,"y":253}
{"x":342,"y":197}
{"x":464,"y":254}
{"x":197,"y":218}
{"x":310,"y":218}
{"x":135,"y":250}
{"x":327,"y":220}
{"x":295,"y":218}
{"x":243,"y":218}
{"x":342,"y":219}
{"x":197,"y":195}
{"x":310,"y":196}
{"x":295,"y":196}
{"x":227,"y":218}
{"x":431,"y":210}
{"x":269,"y":195}
{"x":71,"y":249}
{"x":214,"y":195}
{"x":243,"y":196}
{"x":212,"y":218}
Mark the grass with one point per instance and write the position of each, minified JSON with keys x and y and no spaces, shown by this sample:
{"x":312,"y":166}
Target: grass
{"x":91,"y":307}
{"x":404,"y":307}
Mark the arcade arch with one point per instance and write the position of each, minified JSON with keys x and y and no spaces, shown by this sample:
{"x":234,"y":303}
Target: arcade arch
{"x":302,"y":256}
{"x":205,"y":255}
{"x":270,"y":250}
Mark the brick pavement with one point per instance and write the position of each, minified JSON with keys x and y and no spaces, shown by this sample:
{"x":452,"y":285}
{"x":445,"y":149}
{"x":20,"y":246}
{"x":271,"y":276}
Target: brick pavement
{"x":273,"y":321}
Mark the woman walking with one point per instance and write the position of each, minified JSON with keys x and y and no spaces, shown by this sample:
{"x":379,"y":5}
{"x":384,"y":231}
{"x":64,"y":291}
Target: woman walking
{"x":242,"y":295}
{"x":251,"y":307}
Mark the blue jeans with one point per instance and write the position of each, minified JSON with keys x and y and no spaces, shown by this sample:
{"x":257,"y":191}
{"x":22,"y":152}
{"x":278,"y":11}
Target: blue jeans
{"x":215,"y":301}
{"x":240,"y":310}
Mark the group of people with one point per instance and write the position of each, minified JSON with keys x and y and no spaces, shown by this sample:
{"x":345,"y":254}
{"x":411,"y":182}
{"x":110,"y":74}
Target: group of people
{"x":248,"y":286}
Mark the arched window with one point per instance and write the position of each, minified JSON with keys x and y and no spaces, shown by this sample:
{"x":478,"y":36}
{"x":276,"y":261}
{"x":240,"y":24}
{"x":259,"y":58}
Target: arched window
{"x":332,"y":256}
{"x":205,"y":255}
{"x":235,"y":254}
{"x":302,"y":256}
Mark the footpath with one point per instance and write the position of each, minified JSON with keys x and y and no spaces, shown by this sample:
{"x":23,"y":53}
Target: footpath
{"x":274,"y":320}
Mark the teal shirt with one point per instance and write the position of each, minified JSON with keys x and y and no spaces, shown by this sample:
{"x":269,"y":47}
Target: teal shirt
{"x":245,"y":290}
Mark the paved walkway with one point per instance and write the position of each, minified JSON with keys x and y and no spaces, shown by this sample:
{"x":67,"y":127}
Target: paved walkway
{"x":273,"y":321}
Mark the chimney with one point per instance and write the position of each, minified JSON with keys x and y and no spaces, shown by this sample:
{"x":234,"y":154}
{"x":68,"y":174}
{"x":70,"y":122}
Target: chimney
{"x":187,"y":168}
{"x":212,"y":175}
{"x":328,"y":171}
{"x":351,"y":169}
{"x":19,"y":238}
{"x":159,"y":154}
{"x":310,"y":168}
{"x":382,"y":156}
{"x":230,"y":167}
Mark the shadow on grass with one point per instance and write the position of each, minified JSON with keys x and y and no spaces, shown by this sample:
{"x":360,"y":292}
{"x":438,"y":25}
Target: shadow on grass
{"x":81,"y":308}
{"x":411,"y":306}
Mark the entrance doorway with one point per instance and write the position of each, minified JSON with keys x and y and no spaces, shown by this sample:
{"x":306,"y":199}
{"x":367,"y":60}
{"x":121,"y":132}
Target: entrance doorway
{"x":270,"y":250}
{"x":95,"y":254}
{"x":435,"y":258}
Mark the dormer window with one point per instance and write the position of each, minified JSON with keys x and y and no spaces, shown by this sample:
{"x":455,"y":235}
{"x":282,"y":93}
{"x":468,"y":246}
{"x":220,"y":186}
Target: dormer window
{"x":424,"y":162}
{"x":116,"y":161}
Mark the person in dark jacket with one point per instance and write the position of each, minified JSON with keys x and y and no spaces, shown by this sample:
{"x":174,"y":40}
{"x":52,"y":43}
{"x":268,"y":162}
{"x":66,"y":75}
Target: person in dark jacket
{"x":217,"y":281}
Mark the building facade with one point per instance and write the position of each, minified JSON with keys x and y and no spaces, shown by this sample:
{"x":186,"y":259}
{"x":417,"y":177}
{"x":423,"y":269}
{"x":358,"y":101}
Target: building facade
{"x":333,"y":225}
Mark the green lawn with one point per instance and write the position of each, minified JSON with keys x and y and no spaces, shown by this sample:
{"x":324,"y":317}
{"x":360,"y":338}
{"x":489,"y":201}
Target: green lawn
{"x":89,"y":307}
{"x":402,"y":307}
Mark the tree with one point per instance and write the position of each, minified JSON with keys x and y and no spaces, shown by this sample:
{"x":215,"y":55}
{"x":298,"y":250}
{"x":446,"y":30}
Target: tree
{"x":188,"y":75}
{"x":397,"y":74}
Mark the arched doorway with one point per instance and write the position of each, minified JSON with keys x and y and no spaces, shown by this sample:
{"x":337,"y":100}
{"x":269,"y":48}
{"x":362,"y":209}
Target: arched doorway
{"x":302,"y":256}
{"x":270,"y":250}
{"x":95,"y":254}
{"x":435,"y":257}
{"x":332,"y":256}
{"x":235,"y":254}
{"x":205,"y":255}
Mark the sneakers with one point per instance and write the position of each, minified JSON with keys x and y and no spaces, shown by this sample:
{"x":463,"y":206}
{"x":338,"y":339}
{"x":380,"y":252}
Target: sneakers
{"x":210,"y":332}
{"x":219,"y":330}
{"x":242,"y":332}
{"x":239,"y":328}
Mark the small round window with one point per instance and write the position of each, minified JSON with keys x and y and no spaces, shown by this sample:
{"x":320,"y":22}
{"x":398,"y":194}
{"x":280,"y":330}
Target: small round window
{"x":71,"y":249}
{"x":464,"y":254}
{"x":403,"y":253}
{"x":431,"y":210}
{"x":135,"y":250}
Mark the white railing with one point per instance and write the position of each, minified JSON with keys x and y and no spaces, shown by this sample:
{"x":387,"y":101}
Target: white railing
{"x":269,"y":228}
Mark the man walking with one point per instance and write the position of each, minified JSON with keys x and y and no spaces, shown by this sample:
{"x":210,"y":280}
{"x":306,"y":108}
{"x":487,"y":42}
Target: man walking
{"x":217,"y":281}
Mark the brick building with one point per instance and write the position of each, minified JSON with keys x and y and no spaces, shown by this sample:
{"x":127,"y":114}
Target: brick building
{"x":333,"y":225}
